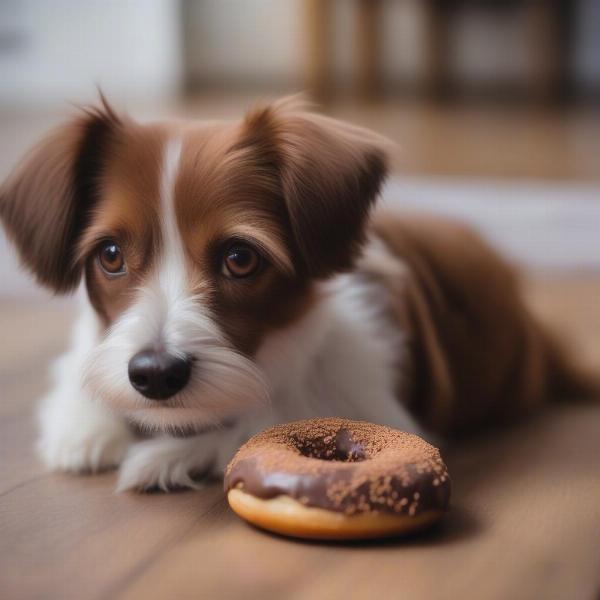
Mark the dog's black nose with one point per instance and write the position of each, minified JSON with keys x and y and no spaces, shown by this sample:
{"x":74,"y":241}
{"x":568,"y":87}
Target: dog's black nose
{"x":158,"y":375}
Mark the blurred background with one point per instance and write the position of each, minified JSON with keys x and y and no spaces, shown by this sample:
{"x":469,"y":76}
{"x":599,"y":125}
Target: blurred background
{"x":494,"y":104}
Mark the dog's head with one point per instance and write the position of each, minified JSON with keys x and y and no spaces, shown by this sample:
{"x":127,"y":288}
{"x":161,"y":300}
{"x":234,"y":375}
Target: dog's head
{"x":195,"y":241}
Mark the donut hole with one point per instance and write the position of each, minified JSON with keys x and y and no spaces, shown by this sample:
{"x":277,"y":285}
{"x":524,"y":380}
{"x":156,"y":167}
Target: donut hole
{"x":339,"y":447}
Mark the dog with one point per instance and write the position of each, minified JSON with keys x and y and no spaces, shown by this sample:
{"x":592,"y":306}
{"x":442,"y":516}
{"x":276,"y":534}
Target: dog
{"x":235,"y":275}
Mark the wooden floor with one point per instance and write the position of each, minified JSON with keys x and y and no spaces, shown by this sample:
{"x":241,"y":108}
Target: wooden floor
{"x":525,"y":521}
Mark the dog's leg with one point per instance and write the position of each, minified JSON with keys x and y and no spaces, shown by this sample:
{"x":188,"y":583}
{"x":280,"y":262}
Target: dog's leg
{"x":77,"y":433}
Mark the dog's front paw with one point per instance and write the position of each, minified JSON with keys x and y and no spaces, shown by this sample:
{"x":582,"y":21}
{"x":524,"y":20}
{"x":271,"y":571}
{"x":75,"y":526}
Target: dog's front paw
{"x":166,"y":464}
{"x":84,"y":451}
{"x":86,"y":446}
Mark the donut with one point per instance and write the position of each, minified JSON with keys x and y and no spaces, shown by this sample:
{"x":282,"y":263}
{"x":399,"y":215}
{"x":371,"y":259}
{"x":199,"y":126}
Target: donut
{"x":335,"y":479}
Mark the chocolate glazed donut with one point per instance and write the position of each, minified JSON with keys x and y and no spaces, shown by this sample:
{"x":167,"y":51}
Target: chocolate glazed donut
{"x":335,"y":479}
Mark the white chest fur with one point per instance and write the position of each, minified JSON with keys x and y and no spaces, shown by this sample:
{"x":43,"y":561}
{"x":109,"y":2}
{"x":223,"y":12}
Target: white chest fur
{"x":345,"y":358}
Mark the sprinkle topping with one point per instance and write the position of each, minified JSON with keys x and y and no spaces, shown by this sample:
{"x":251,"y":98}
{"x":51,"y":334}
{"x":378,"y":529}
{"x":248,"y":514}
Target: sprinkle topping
{"x":345,"y":466}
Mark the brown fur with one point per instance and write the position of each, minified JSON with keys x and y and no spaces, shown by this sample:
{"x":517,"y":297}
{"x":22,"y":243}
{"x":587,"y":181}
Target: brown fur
{"x":479,"y":355}
{"x":126,"y":210}
{"x":45,"y":204}
{"x":330,"y":174}
{"x":308,"y":172}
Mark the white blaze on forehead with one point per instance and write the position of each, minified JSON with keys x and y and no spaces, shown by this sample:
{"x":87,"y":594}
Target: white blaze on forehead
{"x":171,"y":267}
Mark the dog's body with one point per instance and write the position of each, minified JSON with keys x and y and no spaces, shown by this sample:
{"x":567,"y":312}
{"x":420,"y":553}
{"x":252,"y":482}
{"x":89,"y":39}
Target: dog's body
{"x":235,"y":280}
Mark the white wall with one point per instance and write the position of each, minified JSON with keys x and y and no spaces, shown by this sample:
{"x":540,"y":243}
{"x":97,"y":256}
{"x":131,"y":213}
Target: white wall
{"x":54,"y":50}
{"x":242,"y":41}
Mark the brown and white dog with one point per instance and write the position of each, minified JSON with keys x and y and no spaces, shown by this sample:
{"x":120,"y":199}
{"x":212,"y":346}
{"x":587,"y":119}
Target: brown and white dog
{"x":236,"y":278}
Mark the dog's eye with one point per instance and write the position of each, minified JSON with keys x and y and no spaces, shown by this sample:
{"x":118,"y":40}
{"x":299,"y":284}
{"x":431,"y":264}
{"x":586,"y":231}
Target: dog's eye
{"x":111,"y":258}
{"x":241,"y":260}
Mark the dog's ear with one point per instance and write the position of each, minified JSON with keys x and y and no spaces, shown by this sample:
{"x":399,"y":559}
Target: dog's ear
{"x":46,"y":202}
{"x":330,"y":175}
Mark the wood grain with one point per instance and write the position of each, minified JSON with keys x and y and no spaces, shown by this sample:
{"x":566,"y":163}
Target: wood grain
{"x":525,"y":521}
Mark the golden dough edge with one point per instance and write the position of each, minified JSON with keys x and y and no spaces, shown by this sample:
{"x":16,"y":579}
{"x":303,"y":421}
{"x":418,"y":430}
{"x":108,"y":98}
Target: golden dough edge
{"x":287,"y":516}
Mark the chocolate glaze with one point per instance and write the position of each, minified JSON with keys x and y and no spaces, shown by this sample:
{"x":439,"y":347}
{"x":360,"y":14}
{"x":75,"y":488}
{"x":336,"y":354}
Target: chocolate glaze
{"x":344,"y":466}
